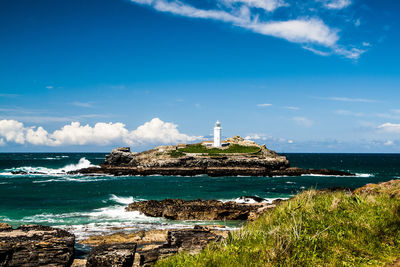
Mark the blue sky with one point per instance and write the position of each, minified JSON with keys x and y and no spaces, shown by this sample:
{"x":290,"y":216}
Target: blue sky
{"x":300,"y":76}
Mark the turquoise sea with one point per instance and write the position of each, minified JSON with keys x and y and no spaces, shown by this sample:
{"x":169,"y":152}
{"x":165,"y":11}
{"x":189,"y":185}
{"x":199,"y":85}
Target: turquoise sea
{"x":89,"y":205}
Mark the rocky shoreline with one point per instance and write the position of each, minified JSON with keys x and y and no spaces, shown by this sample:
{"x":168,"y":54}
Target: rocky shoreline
{"x":196,"y":159}
{"x":36,"y":245}
{"x":206,"y":210}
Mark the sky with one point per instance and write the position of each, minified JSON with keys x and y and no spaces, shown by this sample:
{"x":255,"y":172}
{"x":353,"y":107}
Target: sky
{"x":298,"y":76}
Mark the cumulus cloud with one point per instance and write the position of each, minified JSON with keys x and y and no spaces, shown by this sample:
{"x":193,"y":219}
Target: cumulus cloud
{"x":12,"y":131}
{"x":389,"y":127}
{"x":157,"y":131}
{"x":310,"y":31}
{"x":154,"y":131}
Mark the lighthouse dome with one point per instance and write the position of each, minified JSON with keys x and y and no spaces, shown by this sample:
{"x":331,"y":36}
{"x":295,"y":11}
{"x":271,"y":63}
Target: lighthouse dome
{"x":217,"y":124}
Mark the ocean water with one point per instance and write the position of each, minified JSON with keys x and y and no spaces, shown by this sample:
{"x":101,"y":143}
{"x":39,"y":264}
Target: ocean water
{"x":88,"y":205}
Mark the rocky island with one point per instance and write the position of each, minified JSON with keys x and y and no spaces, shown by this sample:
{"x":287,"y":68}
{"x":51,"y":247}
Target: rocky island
{"x":235,"y":157}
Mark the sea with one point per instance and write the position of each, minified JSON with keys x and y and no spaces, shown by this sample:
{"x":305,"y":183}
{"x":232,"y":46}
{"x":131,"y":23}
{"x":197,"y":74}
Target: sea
{"x":95,"y":205}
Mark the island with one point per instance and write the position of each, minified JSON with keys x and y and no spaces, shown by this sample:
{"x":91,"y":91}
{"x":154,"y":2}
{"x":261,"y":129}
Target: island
{"x":234,"y":156}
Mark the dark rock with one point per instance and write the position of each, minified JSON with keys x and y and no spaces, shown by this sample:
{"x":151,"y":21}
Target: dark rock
{"x":36,"y":245}
{"x":112,"y":255}
{"x":190,"y":240}
{"x":209,"y":210}
{"x":5,"y":227}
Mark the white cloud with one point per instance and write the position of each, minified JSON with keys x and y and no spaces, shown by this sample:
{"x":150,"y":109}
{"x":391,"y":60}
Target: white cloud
{"x":155,"y":131}
{"x":309,"y":31}
{"x":76,"y":134}
{"x":389,"y":143}
{"x":49,"y":87}
{"x":337,"y":4}
{"x":37,"y":137}
{"x":2,"y":142}
{"x":292,"y":108}
{"x":317,"y":51}
{"x":298,"y":31}
{"x":82,"y":104}
{"x":349,"y":113}
{"x":12,"y":131}
{"x":389,"y":127}
{"x":268,"y":5}
{"x":348,"y":99}
{"x":257,"y":136}
{"x":264,"y":105}
{"x":303,"y":121}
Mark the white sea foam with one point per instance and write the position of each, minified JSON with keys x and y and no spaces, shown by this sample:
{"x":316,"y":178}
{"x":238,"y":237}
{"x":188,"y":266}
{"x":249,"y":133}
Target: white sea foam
{"x":251,"y":201}
{"x":83,"y":163}
{"x":362,"y":175}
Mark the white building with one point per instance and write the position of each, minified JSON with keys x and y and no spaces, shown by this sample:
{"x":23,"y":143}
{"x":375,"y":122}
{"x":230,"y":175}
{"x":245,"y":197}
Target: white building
{"x":217,"y":134}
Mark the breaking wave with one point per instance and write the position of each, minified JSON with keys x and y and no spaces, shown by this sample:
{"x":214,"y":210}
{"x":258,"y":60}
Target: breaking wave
{"x":83,"y":163}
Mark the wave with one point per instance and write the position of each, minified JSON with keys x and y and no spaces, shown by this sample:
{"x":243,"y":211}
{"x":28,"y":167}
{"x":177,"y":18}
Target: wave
{"x":361,"y":175}
{"x":121,"y":200}
{"x":83,"y":163}
{"x":242,"y":200}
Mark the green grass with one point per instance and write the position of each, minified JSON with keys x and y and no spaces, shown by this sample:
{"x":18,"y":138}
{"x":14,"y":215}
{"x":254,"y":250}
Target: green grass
{"x":198,"y":148}
{"x":176,"y":153}
{"x":312,"y":229}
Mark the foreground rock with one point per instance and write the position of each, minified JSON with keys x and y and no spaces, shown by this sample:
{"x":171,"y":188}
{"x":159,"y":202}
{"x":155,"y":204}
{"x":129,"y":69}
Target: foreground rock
{"x":189,"y":240}
{"x":155,"y":244}
{"x":208,"y":210}
{"x":35,"y":245}
{"x":112,"y":255}
{"x":180,"y":160}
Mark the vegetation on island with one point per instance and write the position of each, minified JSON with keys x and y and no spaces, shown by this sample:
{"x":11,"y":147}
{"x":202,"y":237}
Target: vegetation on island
{"x":233,"y":148}
{"x":314,"y":228}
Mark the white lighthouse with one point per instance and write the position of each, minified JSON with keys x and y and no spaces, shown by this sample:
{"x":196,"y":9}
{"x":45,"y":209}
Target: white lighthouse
{"x":217,"y":134}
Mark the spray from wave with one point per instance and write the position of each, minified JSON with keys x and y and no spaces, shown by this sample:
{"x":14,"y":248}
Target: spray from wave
{"x":83,"y":163}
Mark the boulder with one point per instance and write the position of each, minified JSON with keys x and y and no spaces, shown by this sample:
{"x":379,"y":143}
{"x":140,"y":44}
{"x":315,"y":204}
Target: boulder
{"x":112,"y":255}
{"x":36,"y":245}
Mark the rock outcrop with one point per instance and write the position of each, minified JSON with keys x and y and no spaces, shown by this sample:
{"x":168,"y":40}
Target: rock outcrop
{"x":35,"y":245}
{"x":208,"y":210}
{"x":189,"y":240}
{"x":181,"y":160}
{"x":112,"y":255}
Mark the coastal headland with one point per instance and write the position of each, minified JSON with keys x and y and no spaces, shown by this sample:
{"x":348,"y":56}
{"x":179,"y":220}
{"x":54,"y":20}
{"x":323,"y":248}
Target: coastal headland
{"x":238,"y":157}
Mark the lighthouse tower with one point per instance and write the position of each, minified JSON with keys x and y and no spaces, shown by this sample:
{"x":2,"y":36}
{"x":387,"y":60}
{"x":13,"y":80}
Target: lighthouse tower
{"x":217,"y":134}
